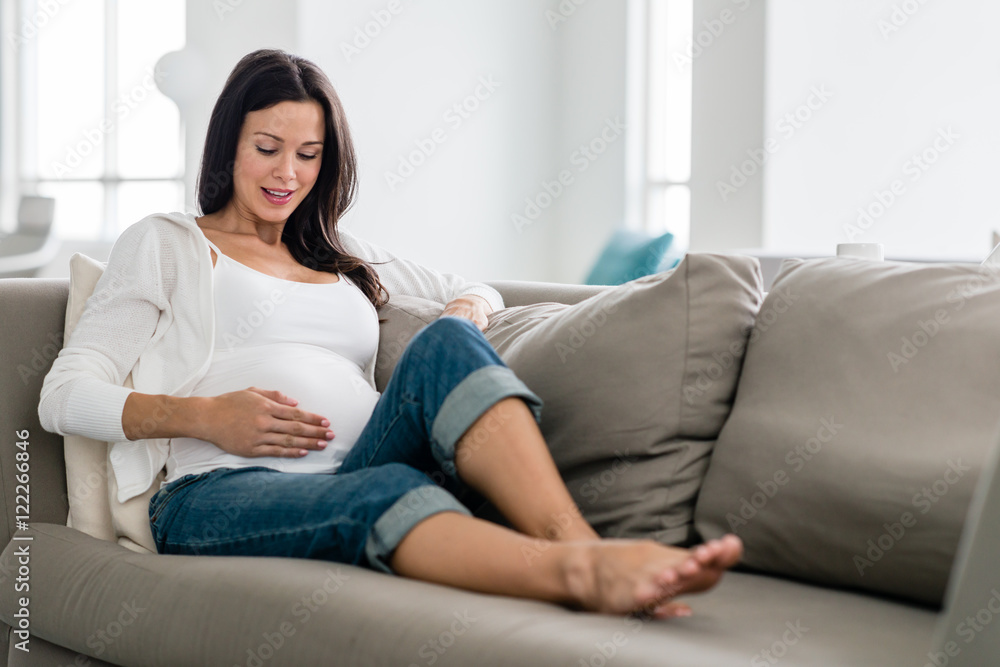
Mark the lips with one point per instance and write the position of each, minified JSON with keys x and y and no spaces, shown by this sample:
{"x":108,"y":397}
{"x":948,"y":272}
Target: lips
{"x":277,"y":196}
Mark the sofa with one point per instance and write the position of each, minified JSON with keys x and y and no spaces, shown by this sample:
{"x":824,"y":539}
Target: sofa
{"x":91,"y":601}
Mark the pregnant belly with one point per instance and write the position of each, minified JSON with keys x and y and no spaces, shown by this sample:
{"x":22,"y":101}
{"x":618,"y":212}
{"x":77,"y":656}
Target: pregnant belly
{"x":323,"y":382}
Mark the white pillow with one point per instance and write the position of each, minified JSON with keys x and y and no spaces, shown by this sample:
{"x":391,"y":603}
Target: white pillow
{"x":90,"y":480}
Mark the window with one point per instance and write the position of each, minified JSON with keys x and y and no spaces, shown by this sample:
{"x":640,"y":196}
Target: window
{"x":95,"y":131}
{"x":660,"y":104}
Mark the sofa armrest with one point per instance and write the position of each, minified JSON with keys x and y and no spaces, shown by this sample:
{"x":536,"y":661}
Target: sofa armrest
{"x":34,"y":314}
{"x":526,"y":292}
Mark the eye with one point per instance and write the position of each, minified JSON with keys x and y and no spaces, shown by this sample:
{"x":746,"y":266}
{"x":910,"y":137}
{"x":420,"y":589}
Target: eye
{"x":265,"y":152}
{"x":308,"y":157}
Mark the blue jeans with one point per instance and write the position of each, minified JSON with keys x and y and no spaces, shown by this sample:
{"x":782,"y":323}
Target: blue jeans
{"x":400,"y":471}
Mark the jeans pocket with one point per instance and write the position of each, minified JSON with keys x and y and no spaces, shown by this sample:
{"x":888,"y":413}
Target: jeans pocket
{"x":170,"y":491}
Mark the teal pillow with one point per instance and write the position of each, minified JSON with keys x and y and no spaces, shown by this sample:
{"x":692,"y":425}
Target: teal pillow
{"x":630,"y":255}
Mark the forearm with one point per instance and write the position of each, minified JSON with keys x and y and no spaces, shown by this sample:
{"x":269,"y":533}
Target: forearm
{"x":163,"y":416}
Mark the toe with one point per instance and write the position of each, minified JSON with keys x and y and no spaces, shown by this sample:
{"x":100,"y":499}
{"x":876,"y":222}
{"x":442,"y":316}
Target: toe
{"x":689,"y":568}
{"x":732,"y":551}
{"x":707,"y":553}
{"x":647,"y":594}
{"x":668,"y":576}
{"x":672,"y":610}
{"x":720,"y":554}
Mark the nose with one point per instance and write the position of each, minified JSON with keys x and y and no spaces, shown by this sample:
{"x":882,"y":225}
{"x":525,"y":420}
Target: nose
{"x":284,"y":168}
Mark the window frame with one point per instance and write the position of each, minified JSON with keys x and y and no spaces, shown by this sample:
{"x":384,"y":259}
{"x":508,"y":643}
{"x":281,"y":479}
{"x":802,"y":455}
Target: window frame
{"x":642,"y":187}
{"x":22,"y":94}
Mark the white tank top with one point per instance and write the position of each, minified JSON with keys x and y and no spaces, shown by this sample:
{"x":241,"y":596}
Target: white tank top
{"x":310,"y":341}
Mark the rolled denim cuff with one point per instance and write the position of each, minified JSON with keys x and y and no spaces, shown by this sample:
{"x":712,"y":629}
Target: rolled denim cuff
{"x":478,"y":392}
{"x":412,"y":507}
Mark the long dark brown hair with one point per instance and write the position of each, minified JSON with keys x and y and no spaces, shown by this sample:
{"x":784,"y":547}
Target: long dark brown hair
{"x":260,"y":80}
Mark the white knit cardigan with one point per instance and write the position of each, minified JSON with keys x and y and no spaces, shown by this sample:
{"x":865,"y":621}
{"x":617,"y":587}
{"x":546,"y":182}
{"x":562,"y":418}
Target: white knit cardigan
{"x":152,"y":314}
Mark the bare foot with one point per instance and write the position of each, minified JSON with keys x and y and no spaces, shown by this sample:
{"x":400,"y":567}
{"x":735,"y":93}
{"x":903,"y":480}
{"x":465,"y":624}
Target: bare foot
{"x":714,"y":557}
{"x":615,"y":576}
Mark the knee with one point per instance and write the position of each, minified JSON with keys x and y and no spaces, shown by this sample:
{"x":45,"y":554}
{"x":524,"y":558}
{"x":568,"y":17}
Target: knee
{"x":451,"y":327}
{"x":446,"y":332}
{"x":399,"y":478}
{"x":406,"y":489}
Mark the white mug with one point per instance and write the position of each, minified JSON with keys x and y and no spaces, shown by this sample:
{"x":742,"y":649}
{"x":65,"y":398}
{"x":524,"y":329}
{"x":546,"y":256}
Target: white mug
{"x":874,"y":251}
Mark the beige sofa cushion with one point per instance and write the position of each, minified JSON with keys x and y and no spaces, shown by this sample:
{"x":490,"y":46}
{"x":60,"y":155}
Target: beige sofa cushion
{"x":399,"y":321}
{"x":637,"y":382}
{"x":869,"y":397}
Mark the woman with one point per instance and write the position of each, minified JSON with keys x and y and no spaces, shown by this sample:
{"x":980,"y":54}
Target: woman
{"x":251,"y":333}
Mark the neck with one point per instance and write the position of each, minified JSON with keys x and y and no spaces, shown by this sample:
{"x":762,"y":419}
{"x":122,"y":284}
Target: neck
{"x":233,"y":220}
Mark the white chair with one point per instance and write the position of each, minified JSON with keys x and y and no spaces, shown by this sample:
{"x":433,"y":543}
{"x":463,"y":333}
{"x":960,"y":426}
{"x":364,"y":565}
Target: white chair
{"x":33,"y":245}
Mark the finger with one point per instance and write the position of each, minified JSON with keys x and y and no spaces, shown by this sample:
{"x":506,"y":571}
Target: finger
{"x":283,"y":452}
{"x":298,"y":415}
{"x":284,"y":398}
{"x":277,"y":396}
{"x":295,"y":434}
{"x":290,"y":441}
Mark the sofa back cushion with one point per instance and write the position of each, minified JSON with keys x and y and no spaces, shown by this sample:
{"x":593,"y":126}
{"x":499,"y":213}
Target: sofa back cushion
{"x":870,"y":395}
{"x":637,"y":382}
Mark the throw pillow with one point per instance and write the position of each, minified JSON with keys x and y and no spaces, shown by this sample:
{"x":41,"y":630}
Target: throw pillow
{"x":630,"y":255}
{"x":90,"y":484}
{"x":869,"y":398}
{"x":400,"y":320}
{"x":637,"y":382}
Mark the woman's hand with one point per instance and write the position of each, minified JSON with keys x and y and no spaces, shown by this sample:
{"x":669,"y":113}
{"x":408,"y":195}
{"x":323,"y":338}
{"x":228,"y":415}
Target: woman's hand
{"x":257,"y":422}
{"x":471,"y":307}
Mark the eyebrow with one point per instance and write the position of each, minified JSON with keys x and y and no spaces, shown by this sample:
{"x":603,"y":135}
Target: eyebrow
{"x":277,"y":138}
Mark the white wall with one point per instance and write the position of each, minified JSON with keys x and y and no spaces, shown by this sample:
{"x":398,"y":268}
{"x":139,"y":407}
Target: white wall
{"x":899,"y":78}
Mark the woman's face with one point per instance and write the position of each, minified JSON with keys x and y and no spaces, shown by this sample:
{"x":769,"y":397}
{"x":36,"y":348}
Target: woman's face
{"x":277,"y":159}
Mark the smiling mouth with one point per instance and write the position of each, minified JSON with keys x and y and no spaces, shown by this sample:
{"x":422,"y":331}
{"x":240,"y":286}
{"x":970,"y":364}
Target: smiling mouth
{"x":278,"y":193}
